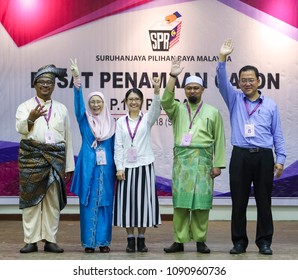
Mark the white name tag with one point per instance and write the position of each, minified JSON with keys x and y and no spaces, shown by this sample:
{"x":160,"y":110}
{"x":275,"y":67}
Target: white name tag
{"x":132,"y":154}
{"x":50,"y":137}
{"x":186,"y":139}
{"x":249,"y":130}
{"x":101,"y":157}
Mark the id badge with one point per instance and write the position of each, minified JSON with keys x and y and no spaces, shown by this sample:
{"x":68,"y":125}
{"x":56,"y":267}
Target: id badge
{"x":249,"y":130}
{"x":132,"y":154}
{"x":186,"y":139}
{"x":101,"y":157}
{"x":50,"y":137}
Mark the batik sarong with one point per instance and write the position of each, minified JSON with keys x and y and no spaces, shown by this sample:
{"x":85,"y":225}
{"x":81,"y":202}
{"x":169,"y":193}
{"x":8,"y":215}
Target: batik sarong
{"x":39,"y":166}
{"x":192,"y":183}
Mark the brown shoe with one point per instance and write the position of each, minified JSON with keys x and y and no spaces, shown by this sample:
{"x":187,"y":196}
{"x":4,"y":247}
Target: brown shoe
{"x":89,"y":250}
{"x":104,"y":249}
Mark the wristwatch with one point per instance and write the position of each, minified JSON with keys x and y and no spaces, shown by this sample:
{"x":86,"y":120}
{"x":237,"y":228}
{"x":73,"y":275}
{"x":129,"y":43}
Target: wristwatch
{"x":30,"y":122}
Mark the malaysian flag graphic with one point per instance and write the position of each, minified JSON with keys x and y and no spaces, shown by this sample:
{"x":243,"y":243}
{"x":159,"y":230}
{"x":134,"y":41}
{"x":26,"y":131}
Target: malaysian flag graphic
{"x":175,"y":35}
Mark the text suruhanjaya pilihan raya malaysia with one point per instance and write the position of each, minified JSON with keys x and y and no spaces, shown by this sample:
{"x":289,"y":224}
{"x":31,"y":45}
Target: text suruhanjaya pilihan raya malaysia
{"x":158,"y":58}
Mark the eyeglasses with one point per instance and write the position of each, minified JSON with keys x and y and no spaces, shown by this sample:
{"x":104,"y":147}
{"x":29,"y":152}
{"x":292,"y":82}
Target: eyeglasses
{"x":192,"y":88}
{"x":250,"y":81}
{"x":93,"y":102}
{"x":45,"y":83}
{"x":134,"y":100}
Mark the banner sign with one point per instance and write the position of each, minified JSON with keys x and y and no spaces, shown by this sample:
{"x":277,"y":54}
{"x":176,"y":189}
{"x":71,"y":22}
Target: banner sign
{"x":122,"y":44}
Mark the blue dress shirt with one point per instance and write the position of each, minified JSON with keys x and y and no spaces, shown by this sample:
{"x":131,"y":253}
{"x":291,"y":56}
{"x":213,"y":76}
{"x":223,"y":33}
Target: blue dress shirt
{"x":266,"y":120}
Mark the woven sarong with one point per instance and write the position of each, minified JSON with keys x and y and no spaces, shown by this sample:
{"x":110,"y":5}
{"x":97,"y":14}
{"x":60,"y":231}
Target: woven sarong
{"x":192,"y":183}
{"x":39,"y":166}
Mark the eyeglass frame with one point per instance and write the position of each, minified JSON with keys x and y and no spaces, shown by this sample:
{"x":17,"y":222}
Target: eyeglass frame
{"x":95,"y":102}
{"x":249,"y":81}
{"x":137,"y":100}
{"x":46,"y":83}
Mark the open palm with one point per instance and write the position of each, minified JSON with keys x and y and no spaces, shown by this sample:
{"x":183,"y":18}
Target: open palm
{"x":227,"y":47}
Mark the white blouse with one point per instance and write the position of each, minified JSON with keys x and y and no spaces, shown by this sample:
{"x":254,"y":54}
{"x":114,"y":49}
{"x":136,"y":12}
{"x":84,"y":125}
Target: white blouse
{"x":142,"y":139}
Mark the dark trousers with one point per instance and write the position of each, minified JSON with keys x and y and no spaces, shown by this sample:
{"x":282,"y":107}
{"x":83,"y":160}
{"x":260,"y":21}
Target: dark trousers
{"x":249,"y":167}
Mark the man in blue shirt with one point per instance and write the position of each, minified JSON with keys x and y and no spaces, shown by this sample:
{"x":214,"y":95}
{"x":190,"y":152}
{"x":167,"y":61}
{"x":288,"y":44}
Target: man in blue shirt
{"x":255,"y":130}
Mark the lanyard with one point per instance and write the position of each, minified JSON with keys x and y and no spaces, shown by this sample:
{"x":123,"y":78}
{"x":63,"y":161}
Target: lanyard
{"x":132,"y":135}
{"x":47,"y":118}
{"x":255,"y":109}
{"x":189,"y":113}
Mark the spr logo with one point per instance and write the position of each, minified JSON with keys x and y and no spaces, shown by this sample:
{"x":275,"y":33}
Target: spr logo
{"x":164,"y":35}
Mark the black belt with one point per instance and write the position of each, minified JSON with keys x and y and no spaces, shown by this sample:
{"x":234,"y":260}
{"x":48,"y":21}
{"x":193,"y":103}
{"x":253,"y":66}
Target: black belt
{"x":252,"y":150}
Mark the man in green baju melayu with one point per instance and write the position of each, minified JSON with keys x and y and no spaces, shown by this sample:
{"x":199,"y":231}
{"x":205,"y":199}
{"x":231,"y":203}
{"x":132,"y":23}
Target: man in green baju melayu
{"x":199,"y":156}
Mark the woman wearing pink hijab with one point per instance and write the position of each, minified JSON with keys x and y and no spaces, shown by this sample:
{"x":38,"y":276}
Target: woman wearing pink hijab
{"x":94,"y":176}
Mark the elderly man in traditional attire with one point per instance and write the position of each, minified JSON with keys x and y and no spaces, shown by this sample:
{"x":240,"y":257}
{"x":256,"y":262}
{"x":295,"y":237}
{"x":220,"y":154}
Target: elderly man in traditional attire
{"x":46,"y":161}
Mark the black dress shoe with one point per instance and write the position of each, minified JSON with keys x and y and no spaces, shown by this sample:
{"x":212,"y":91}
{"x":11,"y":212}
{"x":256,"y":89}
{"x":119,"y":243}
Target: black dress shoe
{"x":29,"y":248}
{"x":52,"y":247}
{"x":202,"y":248}
{"x":174,"y":248}
{"x":237,"y":249}
{"x":104,"y":249}
{"x":89,"y":250}
{"x":265,"y":249}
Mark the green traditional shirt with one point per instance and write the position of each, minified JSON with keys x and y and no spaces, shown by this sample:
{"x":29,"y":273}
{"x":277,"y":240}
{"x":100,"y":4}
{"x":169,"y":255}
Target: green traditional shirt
{"x":207,"y":128}
{"x":192,"y":185}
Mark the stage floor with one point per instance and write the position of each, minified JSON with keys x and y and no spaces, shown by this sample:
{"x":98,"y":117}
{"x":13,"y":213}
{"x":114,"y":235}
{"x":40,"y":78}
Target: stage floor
{"x":285,"y":243}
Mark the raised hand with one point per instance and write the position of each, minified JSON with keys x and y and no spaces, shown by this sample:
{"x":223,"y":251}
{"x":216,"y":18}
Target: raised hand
{"x":176,"y":69}
{"x":226,"y":49}
{"x":75,"y":73}
{"x":74,"y":68}
{"x":156,"y":84}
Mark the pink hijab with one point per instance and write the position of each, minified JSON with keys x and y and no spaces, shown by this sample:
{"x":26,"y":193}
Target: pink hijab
{"x":102,"y":125}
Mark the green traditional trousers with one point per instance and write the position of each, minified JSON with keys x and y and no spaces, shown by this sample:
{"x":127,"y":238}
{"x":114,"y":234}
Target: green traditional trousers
{"x":190,"y":225}
{"x":192,"y":193}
